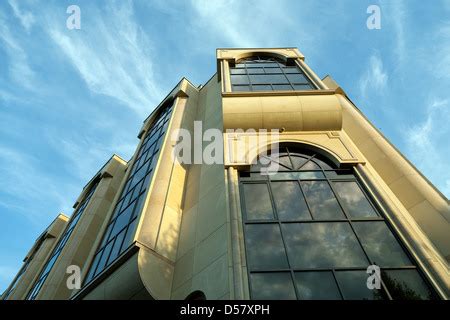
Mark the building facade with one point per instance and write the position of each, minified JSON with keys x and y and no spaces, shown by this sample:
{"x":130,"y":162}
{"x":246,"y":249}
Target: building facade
{"x":210,"y":221}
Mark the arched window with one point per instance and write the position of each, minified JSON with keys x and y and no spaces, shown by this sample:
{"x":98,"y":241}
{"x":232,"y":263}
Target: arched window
{"x":311,"y":230}
{"x":196,"y":295}
{"x":268,"y":74}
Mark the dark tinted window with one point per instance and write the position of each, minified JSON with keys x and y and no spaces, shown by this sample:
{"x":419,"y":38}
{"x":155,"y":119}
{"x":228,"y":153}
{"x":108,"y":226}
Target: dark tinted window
{"x":311,"y":231}
{"x":267,"y":74}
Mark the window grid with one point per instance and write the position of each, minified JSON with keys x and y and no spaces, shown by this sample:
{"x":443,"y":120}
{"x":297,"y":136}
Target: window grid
{"x":254,"y":177}
{"x":34,"y":291}
{"x":122,"y":225}
{"x":244,"y":76}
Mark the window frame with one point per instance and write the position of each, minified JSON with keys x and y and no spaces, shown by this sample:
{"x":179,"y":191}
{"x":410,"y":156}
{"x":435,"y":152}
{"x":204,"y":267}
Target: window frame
{"x":351,"y":176}
{"x":150,"y":151}
{"x":247,"y":72}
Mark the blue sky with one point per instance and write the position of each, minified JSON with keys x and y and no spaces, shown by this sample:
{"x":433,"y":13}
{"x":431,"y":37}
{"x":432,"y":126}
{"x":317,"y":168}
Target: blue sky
{"x":69,"y":99}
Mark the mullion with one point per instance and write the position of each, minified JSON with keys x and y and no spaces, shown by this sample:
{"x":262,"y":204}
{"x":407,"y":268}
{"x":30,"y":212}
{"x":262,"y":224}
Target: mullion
{"x":350,"y":222}
{"x":306,"y":200}
{"x":337,"y":284}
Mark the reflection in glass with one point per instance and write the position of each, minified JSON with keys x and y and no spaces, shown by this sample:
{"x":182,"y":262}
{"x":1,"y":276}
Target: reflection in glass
{"x":303,"y":175}
{"x":284,"y":161}
{"x":321,"y":200}
{"x":267,"y":75}
{"x":319,"y":251}
{"x":289,"y":201}
{"x":298,"y":161}
{"x":380,"y":244}
{"x":264,"y":247}
{"x":257,"y":201}
{"x":317,"y":286}
{"x":353,"y":285}
{"x":406,"y":285}
{"x":272,"y":286}
{"x":322,"y":245}
{"x":354,"y":200}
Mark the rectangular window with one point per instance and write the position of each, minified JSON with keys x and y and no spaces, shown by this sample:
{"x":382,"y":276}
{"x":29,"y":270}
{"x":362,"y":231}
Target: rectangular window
{"x":323,"y":245}
{"x":35,"y":289}
{"x":121,"y":228}
{"x":312,"y":235}
{"x":257,"y":200}
{"x":268,"y":76}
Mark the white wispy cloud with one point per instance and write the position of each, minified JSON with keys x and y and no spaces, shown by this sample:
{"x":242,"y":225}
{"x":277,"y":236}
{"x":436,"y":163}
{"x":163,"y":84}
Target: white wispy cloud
{"x":113,"y":56}
{"x":442,"y":52}
{"x":18,"y":65}
{"x":427,"y":143}
{"x":248,"y":23}
{"x":375,"y":77}
{"x":26,"y":18}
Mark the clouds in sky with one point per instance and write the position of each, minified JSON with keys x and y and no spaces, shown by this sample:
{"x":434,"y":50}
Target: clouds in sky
{"x":375,"y":79}
{"x":69,"y":99}
{"x":113,"y":57}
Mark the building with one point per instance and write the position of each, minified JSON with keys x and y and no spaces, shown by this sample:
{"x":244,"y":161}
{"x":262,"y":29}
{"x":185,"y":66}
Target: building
{"x":343,"y":199}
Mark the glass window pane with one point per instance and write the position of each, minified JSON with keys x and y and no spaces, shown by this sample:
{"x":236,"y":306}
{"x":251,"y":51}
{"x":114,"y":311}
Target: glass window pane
{"x":303,"y":87}
{"x":117,"y":245}
{"x":257,"y":202}
{"x":261,"y":87}
{"x":289,"y":201}
{"x":237,"y":71}
{"x":380,"y":244}
{"x":264,"y":246}
{"x":129,"y":237}
{"x":310,"y":165}
{"x":272,"y":286}
{"x":268,"y":79}
{"x":297,"y":78}
{"x":282,"y":87}
{"x":298,"y":161}
{"x":256,"y":71}
{"x":321,"y":200}
{"x":353,"y":285}
{"x":317,"y":286}
{"x":262,"y":64}
{"x":291,"y":70}
{"x":241,"y":88}
{"x":283,"y":160}
{"x":353,"y":200}
{"x":93,"y":267}
{"x":406,"y":285}
{"x":275,"y":70}
{"x":323,"y":164}
{"x":239,"y":79}
{"x":340,"y":174}
{"x":105,"y":255}
{"x":122,"y":220}
{"x":304,"y":175}
{"x":322,"y":245}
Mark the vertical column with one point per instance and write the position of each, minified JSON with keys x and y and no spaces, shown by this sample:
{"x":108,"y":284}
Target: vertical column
{"x":226,"y":80}
{"x":236,"y":234}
